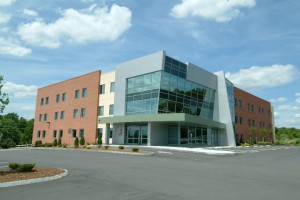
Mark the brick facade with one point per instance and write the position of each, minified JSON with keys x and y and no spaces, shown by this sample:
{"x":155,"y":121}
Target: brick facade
{"x":251,"y":111}
{"x":48,"y":117}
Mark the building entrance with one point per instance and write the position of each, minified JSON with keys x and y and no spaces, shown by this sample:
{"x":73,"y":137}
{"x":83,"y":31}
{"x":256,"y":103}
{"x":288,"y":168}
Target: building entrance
{"x":136,"y":134}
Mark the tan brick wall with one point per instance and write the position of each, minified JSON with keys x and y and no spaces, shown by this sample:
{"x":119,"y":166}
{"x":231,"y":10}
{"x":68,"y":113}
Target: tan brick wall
{"x":90,"y":103}
{"x":266,"y":118}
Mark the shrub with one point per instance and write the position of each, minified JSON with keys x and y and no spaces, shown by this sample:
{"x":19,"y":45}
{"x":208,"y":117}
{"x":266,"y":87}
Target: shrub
{"x":121,"y":147}
{"x":246,"y":144}
{"x":14,"y":166}
{"x":48,"y":144}
{"x":59,"y":141}
{"x":106,"y":147}
{"x":26,"y":167}
{"x":38,"y":143}
{"x":264,"y":143}
{"x":88,"y":147}
{"x":76,"y":142}
{"x":55,"y":142}
{"x":82,"y":140}
{"x":7,"y":143}
{"x":135,"y":149}
{"x":99,"y":140}
{"x":64,"y":145}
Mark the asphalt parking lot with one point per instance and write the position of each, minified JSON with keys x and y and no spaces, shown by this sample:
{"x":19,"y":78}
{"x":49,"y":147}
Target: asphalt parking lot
{"x":272,"y":174}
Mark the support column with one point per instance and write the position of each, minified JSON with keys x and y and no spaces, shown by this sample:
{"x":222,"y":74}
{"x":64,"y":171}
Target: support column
{"x":107,"y":133}
{"x":149,"y":134}
{"x":178,"y":133}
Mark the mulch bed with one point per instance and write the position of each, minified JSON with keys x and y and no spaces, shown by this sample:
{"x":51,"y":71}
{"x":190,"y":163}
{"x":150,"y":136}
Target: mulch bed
{"x":9,"y":175}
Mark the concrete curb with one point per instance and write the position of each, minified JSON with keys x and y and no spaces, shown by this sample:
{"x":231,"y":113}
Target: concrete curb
{"x":36,"y":180}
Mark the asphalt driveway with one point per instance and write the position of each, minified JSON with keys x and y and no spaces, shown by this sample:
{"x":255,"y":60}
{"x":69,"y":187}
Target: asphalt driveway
{"x":93,"y":175}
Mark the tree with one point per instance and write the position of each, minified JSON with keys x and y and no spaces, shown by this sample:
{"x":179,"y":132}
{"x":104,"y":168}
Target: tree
{"x":82,"y":140}
{"x":55,"y":142}
{"x":76,"y":142}
{"x":4,"y":100}
{"x":253,"y":133}
{"x":26,"y":135}
{"x":263,"y":133}
{"x":59,"y":141}
{"x":10,"y":132}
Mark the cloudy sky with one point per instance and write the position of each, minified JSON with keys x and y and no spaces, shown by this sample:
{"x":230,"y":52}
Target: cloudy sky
{"x":255,"y":42}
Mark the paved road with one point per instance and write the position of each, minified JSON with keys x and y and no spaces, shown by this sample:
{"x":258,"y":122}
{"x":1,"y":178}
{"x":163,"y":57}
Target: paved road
{"x":265,"y":175}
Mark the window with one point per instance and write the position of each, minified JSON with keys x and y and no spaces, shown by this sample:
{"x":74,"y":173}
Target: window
{"x":75,"y":113}
{"x":39,"y":134}
{"x":74,"y":133}
{"x":240,"y":103}
{"x":83,"y":111}
{"x":61,"y":132}
{"x":64,"y":96}
{"x":235,"y":102}
{"x":102,"y":89}
{"x":45,"y":117}
{"x":253,"y":122}
{"x":44,"y":134}
{"x":42,"y":101}
{"x":100,"y":132}
{"x":57,"y":98}
{"x":249,"y":106}
{"x":54,"y":133}
{"x":112,"y":87}
{"x":77,"y":94}
{"x":40,"y":117}
{"x":111,"y":130}
{"x":101,"y":110}
{"x":47,"y":100}
{"x":62,"y":114}
{"x":111,"y":109}
{"x":56,"y":115}
{"x":236,"y":119}
{"x":249,"y":122}
{"x":84,"y":92}
{"x":241,"y":120}
{"x":81,"y":132}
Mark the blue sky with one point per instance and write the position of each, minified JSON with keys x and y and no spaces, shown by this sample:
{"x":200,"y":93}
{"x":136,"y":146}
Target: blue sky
{"x":255,"y":42}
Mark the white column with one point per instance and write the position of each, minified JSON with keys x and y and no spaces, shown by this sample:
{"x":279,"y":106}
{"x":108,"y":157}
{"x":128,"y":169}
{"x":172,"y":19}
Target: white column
{"x":149,"y":134}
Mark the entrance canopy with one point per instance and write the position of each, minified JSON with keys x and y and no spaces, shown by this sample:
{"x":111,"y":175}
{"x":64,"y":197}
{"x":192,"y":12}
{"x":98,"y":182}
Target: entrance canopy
{"x":170,"y":117}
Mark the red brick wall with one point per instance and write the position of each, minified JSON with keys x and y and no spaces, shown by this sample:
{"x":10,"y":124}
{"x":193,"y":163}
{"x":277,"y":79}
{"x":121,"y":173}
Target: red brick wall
{"x":266,"y":117}
{"x":90,"y":103}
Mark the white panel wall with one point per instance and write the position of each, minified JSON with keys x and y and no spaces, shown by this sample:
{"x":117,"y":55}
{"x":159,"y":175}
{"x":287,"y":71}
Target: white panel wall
{"x":159,"y":134}
{"x":119,"y":133}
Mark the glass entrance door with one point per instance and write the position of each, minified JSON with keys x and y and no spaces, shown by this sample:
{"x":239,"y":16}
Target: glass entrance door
{"x":137,"y":134}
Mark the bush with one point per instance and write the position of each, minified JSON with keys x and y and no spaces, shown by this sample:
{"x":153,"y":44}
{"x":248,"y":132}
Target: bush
{"x":48,"y":144}
{"x":135,"y":149}
{"x":38,"y":143}
{"x":76,"y":142}
{"x":99,"y":141}
{"x":264,"y":143}
{"x":26,"y":167}
{"x":82,"y":141}
{"x":246,"y":144}
{"x":88,"y":147}
{"x":106,"y":147}
{"x":64,"y":145}
{"x":121,"y":147}
{"x":14,"y":166}
{"x":59,"y":141}
{"x":8,"y":143}
{"x":55,"y":142}
{"x":22,"y":168}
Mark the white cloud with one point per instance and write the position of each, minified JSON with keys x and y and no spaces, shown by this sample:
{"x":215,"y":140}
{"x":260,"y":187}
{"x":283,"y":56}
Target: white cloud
{"x":19,"y":90}
{"x":297,"y":94}
{"x":263,"y":77}
{"x":11,"y":48}
{"x":288,"y":107}
{"x":6,"y":2}
{"x":297,"y":115}
{"x":4,"y":18}
{"x":79,"y":26}
{"x":218,"y":10}
{"x":276,"y":114}
{"x":280,"y":99}
{"x":30,"y":12}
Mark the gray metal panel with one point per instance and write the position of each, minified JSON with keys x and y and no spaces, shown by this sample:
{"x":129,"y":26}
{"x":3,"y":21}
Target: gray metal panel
{"x":142,"y":65}
{"x":201,"y":76}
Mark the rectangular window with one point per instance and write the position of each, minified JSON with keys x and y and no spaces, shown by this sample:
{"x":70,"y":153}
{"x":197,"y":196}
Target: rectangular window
{"x":84,"y":92}
{"x":101,"y":110}
{"x":81,"y":132}
{"x":74,"y":133}
{"x":241,"y":120}
{"x":236,"y":119}
{"x":235,"y":102}
{"x":102,"y":89}
{"x":64,"y":97}
{"x":240,"y":103}
{"x":57,"y":98}
{"x":75,"y":113}
{"x":54,"y":133}
{"x":77,"y":94}
{"x":39,"y":134}
{"x":111,"y":109}
{"x":42,"y":101}
{"x":40,"y":117}
{"x":47,"y":100}
{"x":112,"y":87}
{"x":111,"y":131}
{"x":45,"y":117}
{"x":61,"y":132}
{"x":43,"y":134}
{"x":249,"y":122}
{"x":56,"y":116}
{"x":249,"y":106}
{"x":83,"y":112}
{"x":62,"y":114}
{"x":100,"y":132}
{"x":253,"y":122}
